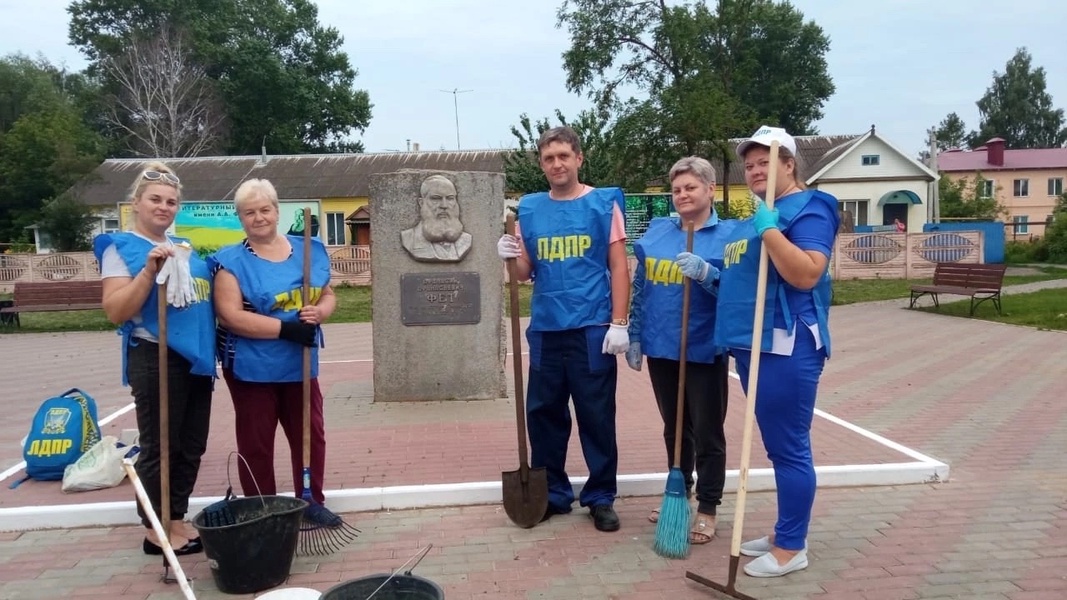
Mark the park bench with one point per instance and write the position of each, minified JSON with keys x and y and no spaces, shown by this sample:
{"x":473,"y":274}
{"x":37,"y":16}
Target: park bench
{"x":980,"y":282}
{"x":53,"y":296}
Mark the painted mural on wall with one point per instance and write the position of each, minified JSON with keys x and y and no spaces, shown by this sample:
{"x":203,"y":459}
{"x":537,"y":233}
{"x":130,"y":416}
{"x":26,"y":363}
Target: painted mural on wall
{"x":215,"y":224}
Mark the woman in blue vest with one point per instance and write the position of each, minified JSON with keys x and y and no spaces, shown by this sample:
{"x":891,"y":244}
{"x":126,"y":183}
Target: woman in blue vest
{"x":264,"y":325}
{"x":655,"y":332}
{"x":129,"y":262}
{"x":799,"y":235}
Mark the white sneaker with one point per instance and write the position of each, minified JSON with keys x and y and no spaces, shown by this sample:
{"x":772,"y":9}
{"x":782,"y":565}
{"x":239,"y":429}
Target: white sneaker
{"x":767,"y":565}
{"x":757,"y":547}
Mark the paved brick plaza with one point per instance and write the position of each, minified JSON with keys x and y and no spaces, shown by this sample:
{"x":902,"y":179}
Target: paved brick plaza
{"x":983,"y":397}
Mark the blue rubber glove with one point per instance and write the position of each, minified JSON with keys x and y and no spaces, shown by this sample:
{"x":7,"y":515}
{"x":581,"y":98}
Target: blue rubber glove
{"x":633,"y":356}
{"x":695,"y":268}
{"x":765,"y":218}
{"x":692,"y":266}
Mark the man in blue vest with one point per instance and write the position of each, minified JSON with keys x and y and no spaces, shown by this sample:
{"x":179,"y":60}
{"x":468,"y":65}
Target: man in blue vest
{"x":571,"y":242}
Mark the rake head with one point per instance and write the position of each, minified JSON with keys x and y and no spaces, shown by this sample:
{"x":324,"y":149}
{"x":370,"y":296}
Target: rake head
{"x":322,"y":532}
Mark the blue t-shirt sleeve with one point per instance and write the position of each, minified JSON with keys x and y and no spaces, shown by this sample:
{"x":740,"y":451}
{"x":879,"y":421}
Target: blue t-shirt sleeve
{"x":814,"y":230}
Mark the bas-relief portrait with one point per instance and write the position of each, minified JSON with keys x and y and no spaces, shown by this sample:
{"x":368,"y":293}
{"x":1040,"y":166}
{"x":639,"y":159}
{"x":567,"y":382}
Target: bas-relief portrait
{"x":439,"y":235}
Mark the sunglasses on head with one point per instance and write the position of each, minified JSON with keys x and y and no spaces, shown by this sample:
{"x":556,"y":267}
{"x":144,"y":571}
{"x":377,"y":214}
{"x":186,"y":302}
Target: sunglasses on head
{"x":157,"y":175}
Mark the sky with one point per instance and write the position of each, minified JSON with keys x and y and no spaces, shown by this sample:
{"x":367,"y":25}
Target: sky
{"x":901,"y":65}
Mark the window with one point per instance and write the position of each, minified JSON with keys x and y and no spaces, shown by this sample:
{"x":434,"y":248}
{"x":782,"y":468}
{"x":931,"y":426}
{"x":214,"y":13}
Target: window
{"x":857,"y":208}
{"x":1021,"y":223}
{"x":985,"y":188}
{"x":1055,"y":186}
{"x":111,"y":225}
{"x":335,"y":229}
{"x":871,"y":160}
{"x":1021,"y":188}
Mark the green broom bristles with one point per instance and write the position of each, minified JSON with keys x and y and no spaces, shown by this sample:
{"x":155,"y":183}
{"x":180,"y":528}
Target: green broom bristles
{"x":672,"y":529}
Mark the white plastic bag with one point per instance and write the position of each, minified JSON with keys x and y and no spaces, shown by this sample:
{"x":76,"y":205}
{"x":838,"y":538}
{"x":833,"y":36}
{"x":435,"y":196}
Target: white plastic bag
{"x":100,"y":467}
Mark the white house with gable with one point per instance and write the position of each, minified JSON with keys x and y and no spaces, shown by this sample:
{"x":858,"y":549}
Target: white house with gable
{"x":874,"y":181}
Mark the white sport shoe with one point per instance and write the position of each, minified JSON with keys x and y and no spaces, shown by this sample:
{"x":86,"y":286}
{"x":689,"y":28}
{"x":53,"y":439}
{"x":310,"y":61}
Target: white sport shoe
{"x":767,"y":565}
{"x":757,"y":547}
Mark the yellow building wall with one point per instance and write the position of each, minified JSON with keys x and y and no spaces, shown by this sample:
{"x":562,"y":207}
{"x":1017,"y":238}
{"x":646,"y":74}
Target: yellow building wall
{"x":345,"y":206}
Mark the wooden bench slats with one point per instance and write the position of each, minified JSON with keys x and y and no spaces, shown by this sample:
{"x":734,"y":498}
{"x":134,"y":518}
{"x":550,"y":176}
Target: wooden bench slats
{"x":53,"y":297}
{"x":979,"y":281}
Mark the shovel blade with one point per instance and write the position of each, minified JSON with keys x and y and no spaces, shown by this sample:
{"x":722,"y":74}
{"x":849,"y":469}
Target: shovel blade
{"x":525,"y":502}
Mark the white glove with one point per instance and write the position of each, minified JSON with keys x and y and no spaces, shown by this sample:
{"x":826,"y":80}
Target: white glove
{"x":508,"y":247}
{"x":617,"y":340}
{"x":175,"y":272}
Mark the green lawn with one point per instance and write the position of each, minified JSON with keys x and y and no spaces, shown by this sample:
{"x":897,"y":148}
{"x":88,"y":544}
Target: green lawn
{"x":354,"y":304}
{"x":1044,"y":309}
{"x":850,"y":291}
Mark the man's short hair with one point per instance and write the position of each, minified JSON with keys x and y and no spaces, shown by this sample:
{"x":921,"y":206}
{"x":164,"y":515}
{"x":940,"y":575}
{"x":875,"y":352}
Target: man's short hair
{"x":560,"y":134}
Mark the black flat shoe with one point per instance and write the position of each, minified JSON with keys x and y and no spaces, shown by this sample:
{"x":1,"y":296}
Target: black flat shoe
{"x":193,"y":546}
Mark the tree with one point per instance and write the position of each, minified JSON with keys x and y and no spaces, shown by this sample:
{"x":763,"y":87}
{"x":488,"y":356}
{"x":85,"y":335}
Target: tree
{"x":1016,"y":107}
{"x":959,"y":199}
{"x":706,"y":76}
{"x":1055,"y":239}
{"x":45,"y":145}
{"x":523,"y":172}
{"x":283,"y":77}
{"x":951,"y":132}
{"x":165,"y":105}
{"x":68,"y":224}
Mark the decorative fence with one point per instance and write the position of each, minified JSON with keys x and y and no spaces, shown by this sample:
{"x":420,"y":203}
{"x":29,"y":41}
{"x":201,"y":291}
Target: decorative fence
{"x":902,"y":255}
{"x":349,"y":264}
{"x":881,"y":255}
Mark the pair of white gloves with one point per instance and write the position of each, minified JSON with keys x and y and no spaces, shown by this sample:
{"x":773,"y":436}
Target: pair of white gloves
{"x":175,"y":273}
{"x":616,"y":340}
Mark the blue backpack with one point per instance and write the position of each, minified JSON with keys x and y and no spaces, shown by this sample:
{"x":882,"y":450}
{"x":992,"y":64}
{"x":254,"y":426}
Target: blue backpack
{"x":63,"y":429}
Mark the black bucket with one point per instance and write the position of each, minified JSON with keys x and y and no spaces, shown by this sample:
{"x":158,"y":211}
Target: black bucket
{"x":400,"y":587}
{"x":250,"y":542}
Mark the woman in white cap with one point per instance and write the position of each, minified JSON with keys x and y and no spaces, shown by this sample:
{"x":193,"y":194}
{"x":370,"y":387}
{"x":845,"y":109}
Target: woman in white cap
{"x":799,"y":234}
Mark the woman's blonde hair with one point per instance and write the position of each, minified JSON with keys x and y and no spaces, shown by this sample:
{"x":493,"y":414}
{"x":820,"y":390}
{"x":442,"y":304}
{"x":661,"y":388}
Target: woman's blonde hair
{"x":165,"y":175}
{"x":253,"y":188}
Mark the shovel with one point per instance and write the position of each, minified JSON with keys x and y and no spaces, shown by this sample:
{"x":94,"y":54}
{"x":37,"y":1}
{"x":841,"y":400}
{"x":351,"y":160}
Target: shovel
{"x":525,"y":490}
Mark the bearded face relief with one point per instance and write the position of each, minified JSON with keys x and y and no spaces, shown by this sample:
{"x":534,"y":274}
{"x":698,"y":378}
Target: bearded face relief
{"x":439,"y":235}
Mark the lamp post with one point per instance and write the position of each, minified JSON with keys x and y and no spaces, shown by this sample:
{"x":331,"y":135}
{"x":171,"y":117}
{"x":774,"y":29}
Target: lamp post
{"x":455,"y":102}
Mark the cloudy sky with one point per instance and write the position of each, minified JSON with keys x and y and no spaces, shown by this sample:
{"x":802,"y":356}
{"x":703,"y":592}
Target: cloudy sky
{"x":899,"y":64}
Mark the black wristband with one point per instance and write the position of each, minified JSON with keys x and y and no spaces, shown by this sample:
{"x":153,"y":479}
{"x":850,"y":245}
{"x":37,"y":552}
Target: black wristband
{"x":298,"y":332}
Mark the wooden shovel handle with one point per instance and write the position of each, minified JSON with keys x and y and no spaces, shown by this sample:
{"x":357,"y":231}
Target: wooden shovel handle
{"x":753,"y":372}
{"x":164,"y":409}
{"x":516,"y":352}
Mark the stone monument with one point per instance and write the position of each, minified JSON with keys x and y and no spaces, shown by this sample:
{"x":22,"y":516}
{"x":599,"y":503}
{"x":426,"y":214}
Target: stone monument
{"x":437,"y":300}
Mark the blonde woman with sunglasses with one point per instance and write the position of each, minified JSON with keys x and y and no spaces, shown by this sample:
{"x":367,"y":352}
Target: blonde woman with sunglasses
{"x":129,"y":263}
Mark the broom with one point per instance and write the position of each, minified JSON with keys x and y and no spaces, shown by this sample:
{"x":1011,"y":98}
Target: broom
{"x":321,"y":531}
{"x":672,"y":528}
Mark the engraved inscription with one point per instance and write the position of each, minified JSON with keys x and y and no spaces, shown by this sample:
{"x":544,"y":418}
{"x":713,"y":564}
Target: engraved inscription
{"x":440,"y":298}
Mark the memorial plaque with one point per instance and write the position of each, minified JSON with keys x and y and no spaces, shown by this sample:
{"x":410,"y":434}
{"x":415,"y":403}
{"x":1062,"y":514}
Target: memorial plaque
{"x":450,"y":298}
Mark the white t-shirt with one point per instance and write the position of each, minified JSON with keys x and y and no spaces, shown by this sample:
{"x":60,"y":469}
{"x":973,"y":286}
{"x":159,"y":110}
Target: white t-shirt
{"x":112,"y":265}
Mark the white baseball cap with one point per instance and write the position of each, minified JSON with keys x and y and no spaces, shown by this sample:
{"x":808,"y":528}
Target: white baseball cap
{"x":764,"y":136}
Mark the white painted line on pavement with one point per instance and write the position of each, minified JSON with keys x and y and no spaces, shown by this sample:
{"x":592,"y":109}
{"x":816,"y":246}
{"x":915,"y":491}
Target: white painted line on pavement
{"x":874,"y":437}
{"x":924,"y":470}
{"x":403,"y":497}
